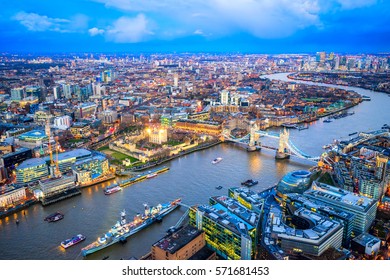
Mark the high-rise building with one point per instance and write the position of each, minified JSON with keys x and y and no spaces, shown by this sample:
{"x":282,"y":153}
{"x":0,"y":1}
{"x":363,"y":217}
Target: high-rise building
{"x":320,"y":57}
{"x":34,"y":91}
{"x":107,"y":76}
{"x":17,"y":94}
{"x":63,"y":122}
{"x":175,"y":80}
{"x":225,"y":97}
{"x":67,"y":89}
{"x":56,"y":92}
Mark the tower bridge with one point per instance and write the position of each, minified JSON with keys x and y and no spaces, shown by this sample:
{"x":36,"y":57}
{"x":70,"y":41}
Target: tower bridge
{"x":285,"y":149}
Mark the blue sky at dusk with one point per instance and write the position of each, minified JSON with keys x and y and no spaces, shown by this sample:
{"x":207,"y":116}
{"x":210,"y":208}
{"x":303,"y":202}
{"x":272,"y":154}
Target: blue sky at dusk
{"x":261,"y":26}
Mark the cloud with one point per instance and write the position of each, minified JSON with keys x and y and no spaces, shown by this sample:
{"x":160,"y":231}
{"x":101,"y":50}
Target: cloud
{"x":260,"y":18}
{"x":130,"y":30}
{"x":198,"y":32}
{"x":35,"y":22}
{"x":95,"y":31}
{"x":39,"y":23}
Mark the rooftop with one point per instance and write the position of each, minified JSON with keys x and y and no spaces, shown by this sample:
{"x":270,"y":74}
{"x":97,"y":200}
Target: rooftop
{"x":73,"y":154}
{"x":366,"y":239}
{"x":32,"y":162}
{"x":177,"y":240}
{"x":343,"y":197}
{"x":38,"y":134}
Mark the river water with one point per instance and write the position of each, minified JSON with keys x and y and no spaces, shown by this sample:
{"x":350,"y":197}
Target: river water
{"x":192,"y":178}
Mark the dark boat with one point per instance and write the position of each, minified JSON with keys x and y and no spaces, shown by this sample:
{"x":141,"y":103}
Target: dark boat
{"x":54,"y":217}
{"x":219,"y":187}
{"x":249,"y":183}
{"x":327,"y":121}
{"x":352,"y":133}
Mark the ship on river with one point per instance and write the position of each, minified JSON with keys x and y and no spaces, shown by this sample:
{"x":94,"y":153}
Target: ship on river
{"x":122,"y":229}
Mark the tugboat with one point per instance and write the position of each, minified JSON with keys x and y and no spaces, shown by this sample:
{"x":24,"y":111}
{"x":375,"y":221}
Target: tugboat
{"x":72,"y":241}
{"x":249,"y":183}
{"x":54,"y":217}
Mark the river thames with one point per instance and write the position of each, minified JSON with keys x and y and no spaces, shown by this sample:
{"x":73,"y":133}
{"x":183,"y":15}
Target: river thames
{"x":192,"y":178}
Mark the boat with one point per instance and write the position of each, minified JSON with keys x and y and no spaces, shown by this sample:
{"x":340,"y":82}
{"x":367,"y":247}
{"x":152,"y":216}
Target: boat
{"x":72,"y":241}
{"x":54,"y":217}
{"x":219,"y":187}
{"x":142,"y":176}
{"x":353,"y":133}
{"x":290,"y":125}
{"x":151,"y":175}
{"x":123,"y":229}
{"x":112,"y":189}
{"x":366,"y":98}
{"x":249,"y":183}
{"x":327,"y":121}
{"x":215,"y":161}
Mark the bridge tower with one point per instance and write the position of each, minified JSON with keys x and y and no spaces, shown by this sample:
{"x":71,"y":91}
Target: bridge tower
{"x":283,"y":152}
{"x":253,"y":137}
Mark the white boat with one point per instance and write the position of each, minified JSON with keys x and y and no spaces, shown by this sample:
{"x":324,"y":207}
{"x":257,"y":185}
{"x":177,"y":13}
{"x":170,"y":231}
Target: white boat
{"x":215,"y":161}
{"x":151,"y":175}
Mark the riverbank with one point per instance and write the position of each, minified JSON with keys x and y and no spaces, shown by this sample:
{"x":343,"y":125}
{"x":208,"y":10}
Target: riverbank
{"x":182,"y":153}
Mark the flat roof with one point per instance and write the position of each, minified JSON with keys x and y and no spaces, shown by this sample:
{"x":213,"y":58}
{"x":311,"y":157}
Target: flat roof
{"x":32,"y":162}
{"x":366,"y":239}
{"x":33,"y":134}
{"x":343,"y":197}
{"x":177,"y":240}
{"x":76,"y":153}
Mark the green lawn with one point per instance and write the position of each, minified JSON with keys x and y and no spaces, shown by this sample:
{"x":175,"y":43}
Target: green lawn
{"x":103,"y":148}
{"x":75,"y":140}
{"x":174,"y":143}
{"x":119,"y":156}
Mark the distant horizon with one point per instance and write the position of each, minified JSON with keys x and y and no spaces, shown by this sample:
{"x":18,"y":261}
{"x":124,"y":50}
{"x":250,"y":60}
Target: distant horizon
{"x":113,"y":52}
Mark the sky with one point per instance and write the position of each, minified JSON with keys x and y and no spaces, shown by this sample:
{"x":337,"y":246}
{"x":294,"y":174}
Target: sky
{"x":247,"y":26}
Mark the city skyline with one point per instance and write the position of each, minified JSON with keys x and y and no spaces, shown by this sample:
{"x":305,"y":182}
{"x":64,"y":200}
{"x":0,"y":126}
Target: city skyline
{"x":196,"y":26}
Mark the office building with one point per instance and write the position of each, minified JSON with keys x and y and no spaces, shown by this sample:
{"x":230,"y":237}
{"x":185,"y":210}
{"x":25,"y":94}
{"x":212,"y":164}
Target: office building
{"x":250,"y":199}
{"x":32,"y":139}
{"x":17,"y":94}
{"x":293,"y":182}
{"x":294,"y":201}
{"x":80,"y":130}
{"x":363,"y":208}
{"x":366,"y":244}
{"x":31,"y":170}
{"x":90,"y":169}
{"x":307,"y":232}
{"x":230,"y":229}
{"x":67,"y":159}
